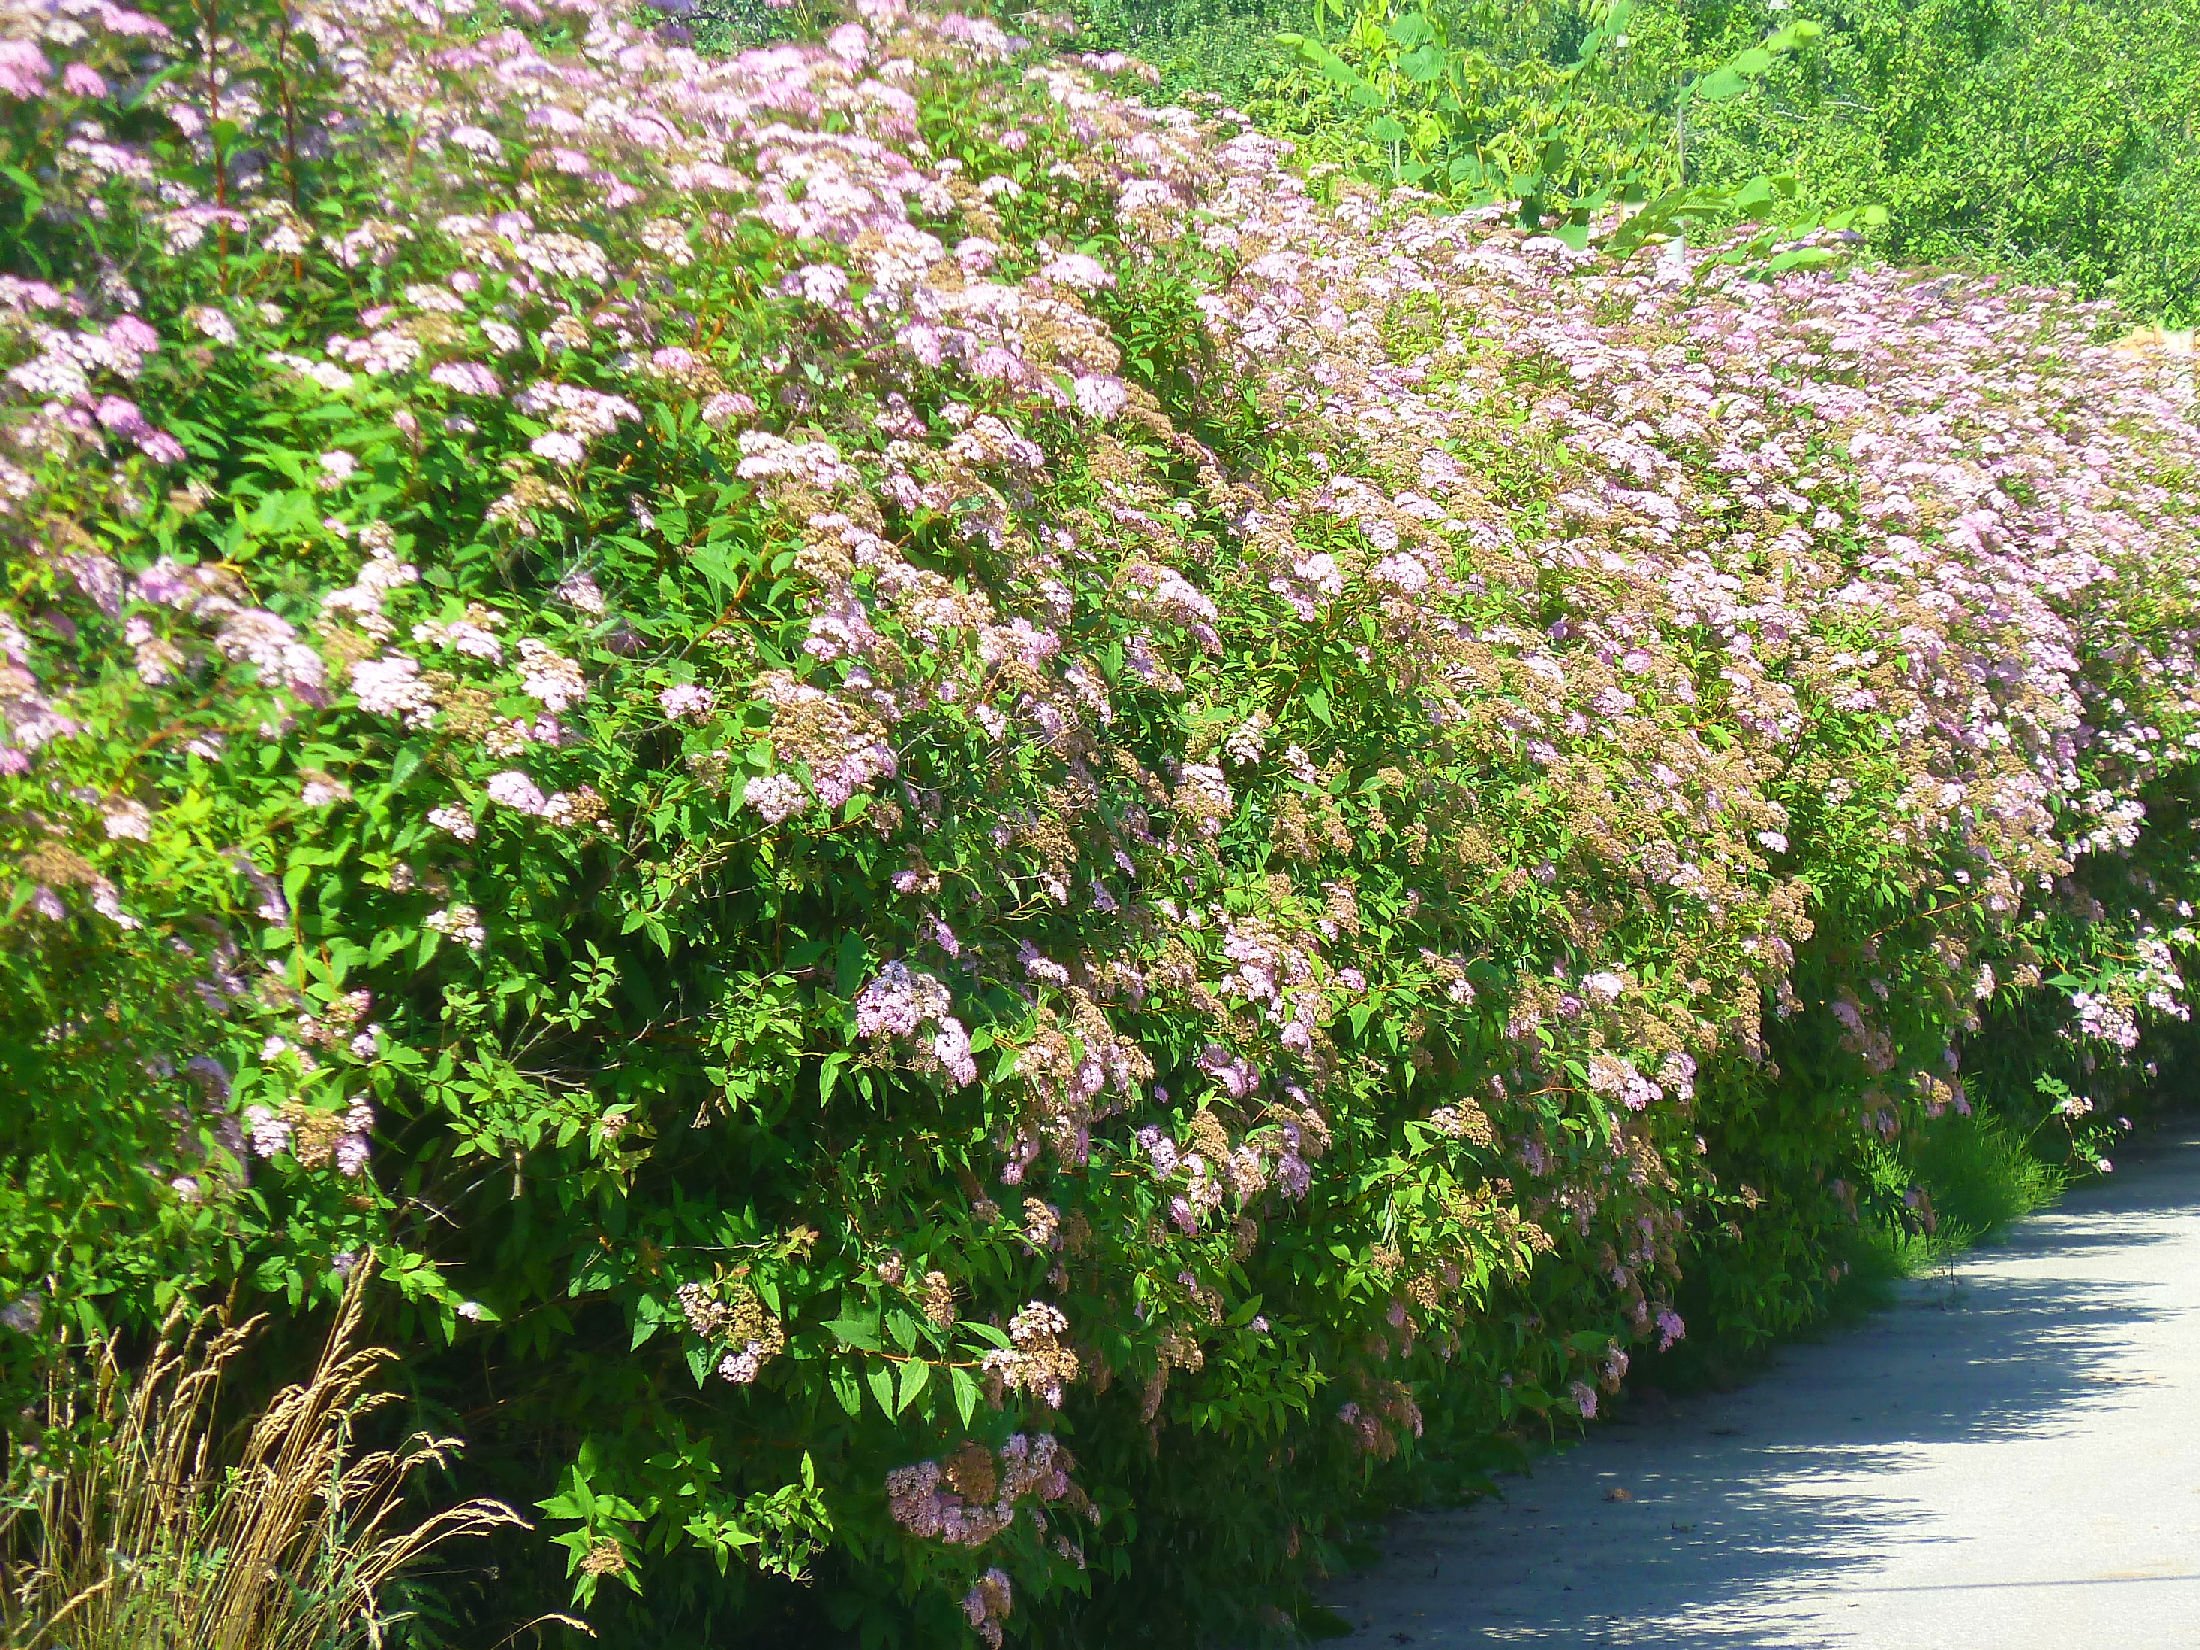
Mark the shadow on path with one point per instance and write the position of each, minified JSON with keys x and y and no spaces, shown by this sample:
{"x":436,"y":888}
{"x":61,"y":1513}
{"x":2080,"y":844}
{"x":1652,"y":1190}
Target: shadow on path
{"x":1952,"y":1447}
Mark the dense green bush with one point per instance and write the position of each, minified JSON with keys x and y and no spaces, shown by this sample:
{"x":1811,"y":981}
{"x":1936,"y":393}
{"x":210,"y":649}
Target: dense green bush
{"x":1219,"y":48}
{"x":2054,"y":138}
{"x":986,"y":847}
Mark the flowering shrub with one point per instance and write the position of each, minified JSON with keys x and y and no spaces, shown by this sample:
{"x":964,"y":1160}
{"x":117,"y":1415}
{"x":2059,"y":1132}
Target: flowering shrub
{"x":956,"y":820}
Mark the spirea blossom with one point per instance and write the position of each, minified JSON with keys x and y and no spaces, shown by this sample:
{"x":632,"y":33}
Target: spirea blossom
{"x":776,"y":796}
{"x":686,"y":701}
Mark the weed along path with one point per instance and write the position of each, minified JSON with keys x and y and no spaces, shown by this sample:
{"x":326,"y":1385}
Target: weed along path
{"x":2004,"y":1461}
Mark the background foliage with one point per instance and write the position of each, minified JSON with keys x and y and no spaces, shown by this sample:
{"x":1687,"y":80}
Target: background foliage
{"x":2053,"y":138}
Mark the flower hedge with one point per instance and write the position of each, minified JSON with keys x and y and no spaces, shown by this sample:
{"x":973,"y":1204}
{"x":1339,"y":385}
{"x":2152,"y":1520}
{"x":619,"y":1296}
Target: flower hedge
{"x":985,"y":840}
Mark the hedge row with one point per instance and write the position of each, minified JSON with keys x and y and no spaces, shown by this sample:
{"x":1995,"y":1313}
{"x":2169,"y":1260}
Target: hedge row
{"x":993,"y":849}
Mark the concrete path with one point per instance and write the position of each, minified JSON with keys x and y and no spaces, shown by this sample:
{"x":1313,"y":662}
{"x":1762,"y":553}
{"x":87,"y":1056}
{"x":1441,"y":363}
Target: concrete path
{"x":2011,"y":1462}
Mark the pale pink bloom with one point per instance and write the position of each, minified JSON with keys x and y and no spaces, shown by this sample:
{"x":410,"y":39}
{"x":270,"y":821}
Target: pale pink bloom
{"x":1075,"y":269}
{"x":550,"y":677}
{"x":777,"y":796}
{"x":466,"y":377}
{"x":686,"y":701}
{"x":129,"y":820}
{"x":1098,"y":397}
{"x":579,"y":590}
{"x":559,"y":448}
{"x":724,"y":407}
{"x":23,"y":69}
{"x":513,"y":789}
{"x":391,"y":686}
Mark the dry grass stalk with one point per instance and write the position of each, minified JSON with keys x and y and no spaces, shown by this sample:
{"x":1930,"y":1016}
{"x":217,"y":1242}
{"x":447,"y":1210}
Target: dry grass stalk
{"x":137,"y":1526}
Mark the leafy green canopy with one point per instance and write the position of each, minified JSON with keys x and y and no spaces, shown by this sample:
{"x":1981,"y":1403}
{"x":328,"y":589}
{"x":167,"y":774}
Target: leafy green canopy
{"x":2054,"y":138}
{"x":995,"y":854}
{"x":2050,"y":137}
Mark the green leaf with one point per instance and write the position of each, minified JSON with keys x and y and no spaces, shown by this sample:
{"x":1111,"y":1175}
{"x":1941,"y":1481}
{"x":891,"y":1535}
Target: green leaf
{"x":1412,"y":29}
{"x":845,"y":1388}
{"x":1423,"y":65}
{"x":1757,"y":192}
{"x":851,"y":1329}
{"x":712,"y":561}
{"x":1719,"y":85}
{"x":916,"y":1375}
{"x":1799,"y":33}
{"x":1336,"y":69}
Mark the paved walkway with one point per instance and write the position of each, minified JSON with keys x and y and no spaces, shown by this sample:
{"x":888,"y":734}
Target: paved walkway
{"x":2010,"y":1462}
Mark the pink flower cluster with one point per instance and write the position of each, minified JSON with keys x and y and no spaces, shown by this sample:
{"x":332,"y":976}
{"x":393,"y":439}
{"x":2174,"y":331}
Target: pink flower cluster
{"x":900,"y":1002}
